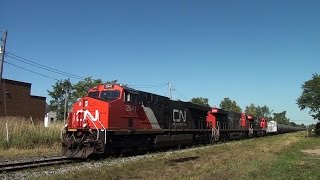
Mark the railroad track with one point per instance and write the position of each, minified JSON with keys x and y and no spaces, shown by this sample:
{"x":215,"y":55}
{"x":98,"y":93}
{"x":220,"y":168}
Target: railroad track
{"x":7,"y":167}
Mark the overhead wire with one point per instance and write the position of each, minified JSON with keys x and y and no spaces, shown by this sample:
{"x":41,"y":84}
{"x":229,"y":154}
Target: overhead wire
{"x":306,"y":120}
{"x":148,"y":85}
{"x":35,"y":64}
{"x":53,"y":70}
{"x":47,"y":68}
{"x":30,"y":70}
{"x":157,"y":90}
{"x":181,"y":94}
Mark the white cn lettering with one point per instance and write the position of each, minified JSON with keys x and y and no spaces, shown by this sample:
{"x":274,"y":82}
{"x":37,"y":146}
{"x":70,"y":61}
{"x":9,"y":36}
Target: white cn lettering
{"x":87,"y":114}
{"x":178,"y":115}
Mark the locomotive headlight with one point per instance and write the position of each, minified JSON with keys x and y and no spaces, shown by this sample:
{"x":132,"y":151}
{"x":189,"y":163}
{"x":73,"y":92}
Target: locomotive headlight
{"x":84,"y":125}
{"x":86,"y":103}
{"x":66,"y":126}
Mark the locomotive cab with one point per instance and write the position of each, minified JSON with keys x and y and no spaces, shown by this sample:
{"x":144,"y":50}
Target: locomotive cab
{"x":108,"y":106}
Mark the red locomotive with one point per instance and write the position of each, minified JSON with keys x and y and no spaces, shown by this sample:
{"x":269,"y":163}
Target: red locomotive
{"x":114,"y":118}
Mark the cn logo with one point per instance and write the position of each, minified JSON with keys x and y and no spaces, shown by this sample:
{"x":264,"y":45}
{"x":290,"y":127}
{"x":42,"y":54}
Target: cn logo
{"x":87,"y":114}
{"x":179,"y":116}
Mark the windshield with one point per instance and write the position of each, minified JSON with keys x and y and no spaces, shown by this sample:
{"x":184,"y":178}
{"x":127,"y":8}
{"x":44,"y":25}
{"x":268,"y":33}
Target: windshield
{"x":93,"y":94}
{"x":109,"y":95}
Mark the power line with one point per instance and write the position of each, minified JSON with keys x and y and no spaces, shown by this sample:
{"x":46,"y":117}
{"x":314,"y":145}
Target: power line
{"x":27,"y":61}
{"x":30,"y":71}
{"x":149,"y":85}
{"x":32,"y":63}
{"x":306,"y":120}
{"x":42,"y":67}
{"x":157,"y":91}
{"x":181,"y":94}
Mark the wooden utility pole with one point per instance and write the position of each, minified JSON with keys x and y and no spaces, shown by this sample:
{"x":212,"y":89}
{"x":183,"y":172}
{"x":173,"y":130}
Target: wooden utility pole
{"x":65,"y":106}
{"x":2,"y":52}
{"x":66,"y":89}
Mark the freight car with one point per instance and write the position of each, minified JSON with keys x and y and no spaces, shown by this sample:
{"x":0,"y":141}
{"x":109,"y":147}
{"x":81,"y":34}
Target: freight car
{"x":276,"y":128}
{"x":113,"y":118}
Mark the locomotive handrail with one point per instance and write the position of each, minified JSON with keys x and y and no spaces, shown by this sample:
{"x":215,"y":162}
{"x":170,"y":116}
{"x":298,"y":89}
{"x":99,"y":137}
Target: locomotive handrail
{"x":96,"y":129}
{"x":105,"y":131}
{"x":215,"y":132}
{"x":79,"y":124}
{"x":250,"y":129}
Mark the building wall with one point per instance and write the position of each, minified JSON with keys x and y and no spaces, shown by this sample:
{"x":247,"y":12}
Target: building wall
{"x":15,"y":100}
{"x":37,"y":107}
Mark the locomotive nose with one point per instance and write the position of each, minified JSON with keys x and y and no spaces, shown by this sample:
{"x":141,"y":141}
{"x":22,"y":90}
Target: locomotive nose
{"x":87,"y":113}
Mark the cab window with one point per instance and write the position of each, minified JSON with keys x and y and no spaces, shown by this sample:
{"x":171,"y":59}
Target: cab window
{"x":93,"y":94}
{"x":130,"y":97}
{"x":109,"y":95}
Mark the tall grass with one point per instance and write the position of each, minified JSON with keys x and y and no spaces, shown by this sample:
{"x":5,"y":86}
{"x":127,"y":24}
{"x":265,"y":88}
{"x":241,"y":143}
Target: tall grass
{"x":24,"y":134}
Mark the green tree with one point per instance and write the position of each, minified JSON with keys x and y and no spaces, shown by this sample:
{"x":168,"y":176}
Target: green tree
{"x":75,"y":91}
{"x":264,"y":111}
{"x":310,"y":97}
{"x":81,"y":88}
{"x":251,"y":110}
{"x":201,"y":101}
{"x":293,"y":124}
{"x":58,"y":95}
{"x":258,"y":111}
{"x":230,"y":105}
{"x":281,"y":118}
{"x":311,"y":126}
{"x":303,"y":126}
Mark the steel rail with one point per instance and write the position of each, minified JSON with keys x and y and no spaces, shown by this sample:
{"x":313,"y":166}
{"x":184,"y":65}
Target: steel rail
{"x":15,"y":166}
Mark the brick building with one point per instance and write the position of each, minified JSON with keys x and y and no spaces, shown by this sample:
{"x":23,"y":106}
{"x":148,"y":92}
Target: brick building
{"x":15,"y":100}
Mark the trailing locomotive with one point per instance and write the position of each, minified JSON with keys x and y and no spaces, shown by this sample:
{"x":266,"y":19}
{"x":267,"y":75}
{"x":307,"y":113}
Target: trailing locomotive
{"x":114,"y":118}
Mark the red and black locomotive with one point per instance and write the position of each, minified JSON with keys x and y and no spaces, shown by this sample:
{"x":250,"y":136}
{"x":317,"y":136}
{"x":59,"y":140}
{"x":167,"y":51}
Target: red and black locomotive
{"x":114,"y":118}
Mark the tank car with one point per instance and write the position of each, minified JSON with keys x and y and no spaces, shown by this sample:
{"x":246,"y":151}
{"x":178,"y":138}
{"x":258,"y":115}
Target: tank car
{"x":276,"y":128}
{"x":281,"y":128}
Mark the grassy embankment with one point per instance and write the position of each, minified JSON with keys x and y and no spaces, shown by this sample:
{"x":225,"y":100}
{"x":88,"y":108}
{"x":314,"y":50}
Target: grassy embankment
{"x":27,"y":139}
{"x":273,"y":157}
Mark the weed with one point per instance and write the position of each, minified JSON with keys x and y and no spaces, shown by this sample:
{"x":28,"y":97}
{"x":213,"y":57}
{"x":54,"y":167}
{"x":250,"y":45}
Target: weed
{"x":24,"y":135}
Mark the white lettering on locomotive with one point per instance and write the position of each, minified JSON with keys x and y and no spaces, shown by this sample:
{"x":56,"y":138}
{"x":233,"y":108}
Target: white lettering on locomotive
{"x":179,"y":116}
{"x":87,"y":114}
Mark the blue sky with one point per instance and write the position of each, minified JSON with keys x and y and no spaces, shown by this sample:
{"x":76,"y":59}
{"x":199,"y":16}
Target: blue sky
{"x":250,"y":51}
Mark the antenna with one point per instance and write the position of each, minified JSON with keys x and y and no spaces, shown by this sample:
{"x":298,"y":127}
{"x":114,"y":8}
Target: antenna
{"x":170,"y":88}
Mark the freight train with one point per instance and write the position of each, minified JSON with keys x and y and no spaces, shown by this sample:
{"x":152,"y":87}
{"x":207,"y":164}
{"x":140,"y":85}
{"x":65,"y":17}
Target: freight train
{"x":113,"y":118}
